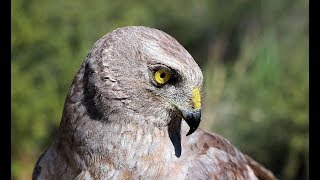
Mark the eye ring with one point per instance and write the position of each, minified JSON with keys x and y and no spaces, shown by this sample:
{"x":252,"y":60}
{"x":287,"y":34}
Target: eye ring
{"x":162,"y":76}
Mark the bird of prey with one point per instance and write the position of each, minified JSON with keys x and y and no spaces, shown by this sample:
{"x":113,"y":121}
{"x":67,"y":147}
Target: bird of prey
{"x":133,"y":111}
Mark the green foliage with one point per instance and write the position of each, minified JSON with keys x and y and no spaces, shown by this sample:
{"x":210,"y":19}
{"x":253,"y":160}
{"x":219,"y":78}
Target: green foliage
{"x":269,"y":105}
{"x":253,"y":55}
{"x":263,"y":107}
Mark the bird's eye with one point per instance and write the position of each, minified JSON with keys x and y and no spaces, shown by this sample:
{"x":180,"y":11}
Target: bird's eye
{"x":162,"y":75}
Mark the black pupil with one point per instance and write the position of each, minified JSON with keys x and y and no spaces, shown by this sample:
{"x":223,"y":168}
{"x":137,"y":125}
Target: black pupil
{"x":162,"y":75}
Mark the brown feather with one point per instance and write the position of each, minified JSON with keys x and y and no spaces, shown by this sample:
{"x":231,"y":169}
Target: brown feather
{"x":259,"y":170}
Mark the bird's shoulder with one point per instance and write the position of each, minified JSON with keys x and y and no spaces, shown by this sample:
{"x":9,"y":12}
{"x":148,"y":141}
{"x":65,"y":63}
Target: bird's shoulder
{"x":218,"y":158}
{"x":52,"y":165}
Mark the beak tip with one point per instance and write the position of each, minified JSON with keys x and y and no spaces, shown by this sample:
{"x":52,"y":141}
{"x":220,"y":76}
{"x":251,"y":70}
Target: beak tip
{"x":193,"y":119}
{"x":190,"y":132}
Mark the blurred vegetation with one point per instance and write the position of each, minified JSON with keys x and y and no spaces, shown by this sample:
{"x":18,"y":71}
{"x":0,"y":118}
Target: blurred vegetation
{"x":253,"y":53}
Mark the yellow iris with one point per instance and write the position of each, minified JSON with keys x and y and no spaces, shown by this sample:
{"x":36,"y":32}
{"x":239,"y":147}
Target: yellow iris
{"x":162,"y":76}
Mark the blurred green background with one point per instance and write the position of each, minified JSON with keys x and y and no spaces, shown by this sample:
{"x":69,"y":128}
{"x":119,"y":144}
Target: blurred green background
{"x":253,"y":53}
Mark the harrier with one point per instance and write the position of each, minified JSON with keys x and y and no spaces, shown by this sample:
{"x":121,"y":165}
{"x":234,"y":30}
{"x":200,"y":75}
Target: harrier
{"x":133,"y":111}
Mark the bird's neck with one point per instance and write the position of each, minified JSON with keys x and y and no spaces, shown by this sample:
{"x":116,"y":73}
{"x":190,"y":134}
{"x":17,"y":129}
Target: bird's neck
{"x":119,"y":145}
{"x":134,"y":143}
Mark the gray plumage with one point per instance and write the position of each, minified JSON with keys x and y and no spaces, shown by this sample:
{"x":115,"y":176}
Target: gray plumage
{"x":118,"y":123}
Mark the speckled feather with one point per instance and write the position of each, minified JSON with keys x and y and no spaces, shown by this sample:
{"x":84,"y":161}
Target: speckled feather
{"x":117,"y":124}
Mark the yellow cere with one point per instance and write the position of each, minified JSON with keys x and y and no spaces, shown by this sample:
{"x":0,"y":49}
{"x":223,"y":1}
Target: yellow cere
{"x":196,"y":98}
{"x":162,"y":76}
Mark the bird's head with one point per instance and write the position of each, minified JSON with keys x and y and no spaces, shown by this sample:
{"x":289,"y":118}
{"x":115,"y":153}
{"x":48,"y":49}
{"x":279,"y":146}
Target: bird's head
{"x":142,"y":74}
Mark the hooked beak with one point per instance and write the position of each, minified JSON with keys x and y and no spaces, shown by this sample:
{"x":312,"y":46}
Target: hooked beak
{"x":193,"y":119}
